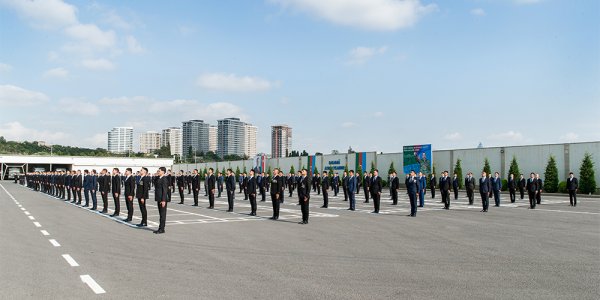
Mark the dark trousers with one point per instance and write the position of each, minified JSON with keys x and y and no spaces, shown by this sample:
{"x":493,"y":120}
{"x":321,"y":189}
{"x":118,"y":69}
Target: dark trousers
{"x":497,"y":197}
{"x":189,"y":188}
{"x":275,"y":206}
{"x":376,"y":197}
{"x":538,"y":197}
{"x":433,"y":193}
{"x":281,"y":196}
{"x":352,"y":199}
{"x":336,"y":190}
{"x":252,"y":203}
{"x":129,"y":204}
{"x":573,"y":197}
{"x":142,"y":204}
{"x":531,"y":199}
{"x":455,"y":193}
{"x":104,"y":201}
{"x":413,"y":203}
{"x":366,"y":190}
{"x":195,"y":197}
{"x":325,"y":198}
{"x":522,"y":191}
{"x":181,"y":189}
{"x":345,"y":193}
{"x":230,"y":199}
{"x":87,"y":197}
{"x":422,"y":198}
{"x":162,"y":212}
{"x":117,"y":203}
{"x":445,"y":196}
{"x":513,"y":195}
{"x":470,"y":195}
{"x":263,"y":194}
{"x":485,"y":201}
{"x":211,"y":198}
{"x":79,"y":195}
{"x":304,"y":208}
{"x":94,"y":199}
{"x":245,"y":194}
{"x":394,"y":196}
{"x":220,"y":189}
{"x":68,"y":193}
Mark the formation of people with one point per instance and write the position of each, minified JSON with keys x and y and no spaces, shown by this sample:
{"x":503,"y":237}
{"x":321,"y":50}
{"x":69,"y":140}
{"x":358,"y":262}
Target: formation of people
{"x":70,"y":185}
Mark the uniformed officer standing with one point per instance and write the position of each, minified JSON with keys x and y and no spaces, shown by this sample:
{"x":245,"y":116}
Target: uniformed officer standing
{"x":470,"y":187}
{"x":413,"y":187}
{"x":445,"y":189}
{"x":142,"y":193}
{"x":129,"y":193}
{"x":352,"y":187}
{"x":161,"y":197}
{"x":181,"y":185}
{"x":116,"y":191}
{"x":572,"y":187}
{"x":104,"y":187}
{"x":195,"y":180}
{"x":345,"y":185}
{"x":485,"y":186}
{"x":230,"y":187}
{"x":211,"y":186}
{"x":325,"y":187}
{"x":251,"y":190}
{"x":512,"y":188}
{"x":540,"y":186}
{"x":375,"y":189}
{"x":94,"y":184}
{"x":275,"y":193}
{"x":394,"y":187}
{"x":532,"y":190}
{"x":304,"y":196}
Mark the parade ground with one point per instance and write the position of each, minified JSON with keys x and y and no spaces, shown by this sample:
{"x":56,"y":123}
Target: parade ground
{"x":52,"y":249}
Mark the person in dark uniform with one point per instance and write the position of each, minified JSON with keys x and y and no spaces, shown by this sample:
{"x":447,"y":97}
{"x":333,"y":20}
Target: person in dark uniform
{"x":251,"y":185}
{"x":281,"y":192}
{"x":68,"y":180}
{"x":78,"y":185}
{"x":205,"y":185}
{"x":422,"y":189}
{"x":211,"y":184}
{"x":87,"y":186}
{"x":335,"y":184}
{"x":432,"y":185}
{"x":455,"y":186}
{"x":572,"y":187}
{"x":304,"y":196}
{"x":142,"y":193}
{"x":470,"y":187}
{"x":161,"y":197}
{"x":345,"y":185}
{"x":375,"y":189}
{"x":291,"y":182}
{"x":532,"y":190}
{"x":540,"y":186}
{"x":94,"y":184}
{"x":394,"y":187}
{"x":325,"y":187}
{"x":445,"y":187}
{"x":245,"y":185}
{"x":351,"y":188}
{"x":412,"y":187}
{"x":180,"y":179}
{"x":496,"y":188}
{"x":195,"y":181}
{"x":485,"y":186}
{"x":230,"y":187}
{"x":104,"y":187}
{"x":116,"y":191}
{"x":188,"y":178}
{"x":276,"y":188}
{"x":522,"y":185}
{"x":367,"y":186}
{"x":129,"y":193}
{"x":220,"y":181}
{"x":512,"y":188}
{"x":260,"y":181}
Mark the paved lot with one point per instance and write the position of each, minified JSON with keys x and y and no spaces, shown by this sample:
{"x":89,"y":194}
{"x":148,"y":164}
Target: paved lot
{"x":49,"y":248}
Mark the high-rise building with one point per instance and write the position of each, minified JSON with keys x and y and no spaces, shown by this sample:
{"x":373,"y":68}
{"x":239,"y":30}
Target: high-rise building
{"x":196,"y":135}
{"x":213,"y":138}
{"x":149,"y":141}
{"x":236,"y":138}
{"x":172,"y":136}
{"x":250,"y":132}
{"x":120,"y":140}
{"x":281,"y":141}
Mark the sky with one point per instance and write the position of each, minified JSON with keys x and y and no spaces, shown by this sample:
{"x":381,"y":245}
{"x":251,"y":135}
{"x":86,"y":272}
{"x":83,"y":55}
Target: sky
{"x":373,"y":75}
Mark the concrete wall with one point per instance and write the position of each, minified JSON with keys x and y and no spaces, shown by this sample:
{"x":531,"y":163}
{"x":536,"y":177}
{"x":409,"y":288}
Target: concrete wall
{"x":531,"y":158}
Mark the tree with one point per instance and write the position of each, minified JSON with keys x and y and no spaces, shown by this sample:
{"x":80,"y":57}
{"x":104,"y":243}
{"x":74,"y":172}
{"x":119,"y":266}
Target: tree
{"x":392,"y":169}
{"x":486,"y":166}
{"x":269,"y":171}
{"x":304,"y":153}
{"x":372,"y":167}
{"x":164,"y":151}
{"x":237,"y":172}
{"x":459,"y":173}
{"x":2,"y":140}
{"x":359,"y":170}
{"x":330,"y":171}
{"x":245,"y":170}
{"x":292,"y":170}
{"x":190,"y":154}
{"x":434,"y":171}
{"x":551,"y":176}
{"x":316,"y":171}
{"x":223,"y":171}
{"x":587,"y":177}
{"x":514,"y":168}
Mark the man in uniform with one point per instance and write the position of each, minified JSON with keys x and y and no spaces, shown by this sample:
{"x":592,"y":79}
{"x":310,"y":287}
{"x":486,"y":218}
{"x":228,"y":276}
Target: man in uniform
{"x":412,"y":188}
{"x":87,"y":187}
{"x":540,"y":186}
{"x":512,"y":188}
{"x":78,"y":185}
{"x":532,"y":190}
{"x":445,"y":189}
{"x":572,"y":187}
{"x":455,"y":186}
{"x":181,"y":185}
{"x":230,"y":187}
{"x":195,"y":181}
{"x":422,"y":188}
{"x":276,"y":189}
{"x":104,"y":186}
{"x":496,"y":188}
{"x":522,"y":185}
{"x":375,"y":189}
{"x":251,"y":190}
{"x":142,"y":193}
{"x":161,"y":198}
{"x":304,"y":196}
{"x":325,"y":187}
{"x":484,"y":189}
{"x":129,"y":193}
{"x":116,"y":191}
{"x":94,"y":179}
{"x":432,"y":185}
{"x":351,"y":188}
{"x":394,"y":187}
{"x":211,"y":184}
{"x":367,"y":186}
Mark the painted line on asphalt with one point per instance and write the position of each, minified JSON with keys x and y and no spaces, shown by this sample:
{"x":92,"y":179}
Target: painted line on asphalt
{"x":566,"y":211}
{"x":31,"y":218}
{"x":37,"y":224}
{"x":70,"y":260}
{"x":23,"y":209}
{"x":44,"y":232}
{"x":54,"y":243}
{"x":26,"y":213}
{"x":87,"y":279}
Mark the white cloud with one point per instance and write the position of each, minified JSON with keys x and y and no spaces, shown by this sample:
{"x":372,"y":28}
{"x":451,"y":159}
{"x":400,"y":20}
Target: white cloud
{"x":365,"y":14}
{"x":525,"y":2}
{"x":56,"y":73}
{"x":378,"y":114}
{"x":509,"y":136}
{"x":479,"y":12}
{"x":91,"y":35}
{"x":99,"y":140}
{"x":133,"y":45}
{"x":569,"y":137}
{"x":98,"y":64}
{"x":234,"y":83}
{"x":15,"y":131}
{"x":76,"y":106}
{"x":455,"y":136}
{"x":361,"y":55}
{"x":14,"y":95}
{"x":46,"y":14}
{"x":5,"y":68}
{"x":348,"y":124}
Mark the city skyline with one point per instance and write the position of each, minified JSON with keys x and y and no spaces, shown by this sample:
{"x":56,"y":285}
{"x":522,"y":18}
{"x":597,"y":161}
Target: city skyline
{"x":452,"y":74}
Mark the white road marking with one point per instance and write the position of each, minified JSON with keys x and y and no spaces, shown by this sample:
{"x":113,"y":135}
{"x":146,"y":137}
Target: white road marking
{"x":70,"y":260}
{"x":87,"y":279}
{"x":37,"y":224}
{"x":23,"y":209}
{"x":566,"y":211}
{"x":44,"y":232}
{"x":27,"y":213}
{"x":31,"y":218}
{"x":54,"y":243}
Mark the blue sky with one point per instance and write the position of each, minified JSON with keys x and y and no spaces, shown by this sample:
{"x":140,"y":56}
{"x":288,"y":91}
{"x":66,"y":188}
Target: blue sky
{"x":371,"y":74}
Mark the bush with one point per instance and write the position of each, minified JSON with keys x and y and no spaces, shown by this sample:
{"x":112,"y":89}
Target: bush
{"x":562,"y":187}
{"x":504,"y":185}
{"x":384,"y":183}
{"x":551,"y":176}
{"x":587,"y":177}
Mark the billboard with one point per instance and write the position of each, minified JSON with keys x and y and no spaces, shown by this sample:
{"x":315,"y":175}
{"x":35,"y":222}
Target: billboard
{"x":417,"y":158}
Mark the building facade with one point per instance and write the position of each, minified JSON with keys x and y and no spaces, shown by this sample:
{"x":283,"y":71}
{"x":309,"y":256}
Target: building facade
{"x":250,"y":132}
{"x":281,"y":141}
{"x":149,"y":141}
{"x":172,"y":136}
{"x":213,"y":137}
{"x":120,"y":140}
{"x":236,"y":138}
{"x":196,"y":137}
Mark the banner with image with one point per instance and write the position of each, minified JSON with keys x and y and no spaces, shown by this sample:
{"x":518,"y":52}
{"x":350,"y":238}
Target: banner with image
{"x":417,"y":158}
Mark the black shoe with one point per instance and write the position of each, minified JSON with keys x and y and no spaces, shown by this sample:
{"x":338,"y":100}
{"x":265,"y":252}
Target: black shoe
{"x":366,"y":202}
{"x":496,"y":205}
{"x":195,"y":205}
{"x":323,"y":206}
{"x":350,"y":209}
{"x":272,"y":218}
{"x":114,"y":215}
{"x":230,"y":210}
{"x":104,"y":211}
{"x":420,"y":206}
{"x":141,"y":225}
{"x":414,"y":216}
{"x":301,"y":223}
{"x":93,"y":208}
{"x":374,"y":212}
{"x":409,"y":215}
{"x":159,"y":231}
{"x":180,"y":202}
{"x":483,"y":210}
